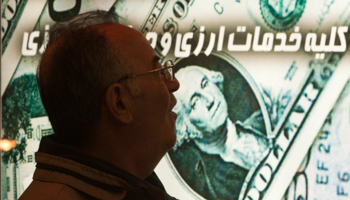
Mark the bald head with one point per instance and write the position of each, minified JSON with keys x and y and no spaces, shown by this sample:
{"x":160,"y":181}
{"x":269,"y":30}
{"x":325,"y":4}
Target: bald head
{"x":79,"y":64}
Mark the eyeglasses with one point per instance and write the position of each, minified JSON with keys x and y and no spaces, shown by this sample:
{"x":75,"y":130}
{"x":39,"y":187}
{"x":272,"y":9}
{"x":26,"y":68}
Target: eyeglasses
{"x":167,"y":71}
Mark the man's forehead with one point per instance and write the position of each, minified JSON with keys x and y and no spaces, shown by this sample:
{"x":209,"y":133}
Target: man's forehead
{"x":190,"y":76}
{"x":191,"y":83}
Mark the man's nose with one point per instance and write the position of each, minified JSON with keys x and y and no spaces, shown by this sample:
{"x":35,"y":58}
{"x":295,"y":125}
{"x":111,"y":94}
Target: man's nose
{"x":209,"y":100}
{"x":173,"y":86}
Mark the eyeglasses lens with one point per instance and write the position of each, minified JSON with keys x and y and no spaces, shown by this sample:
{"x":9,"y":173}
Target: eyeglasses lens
{"x":168,"y":73}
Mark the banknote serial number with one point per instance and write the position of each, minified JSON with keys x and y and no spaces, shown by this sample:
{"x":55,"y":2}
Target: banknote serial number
{"x":322,"y":175}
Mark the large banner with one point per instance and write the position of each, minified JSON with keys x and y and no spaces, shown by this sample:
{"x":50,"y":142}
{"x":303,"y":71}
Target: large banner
{"x":264,"y":103}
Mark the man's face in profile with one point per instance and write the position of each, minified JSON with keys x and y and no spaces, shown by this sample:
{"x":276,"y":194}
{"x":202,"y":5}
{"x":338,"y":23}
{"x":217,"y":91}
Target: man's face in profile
{"x":203,"y":99}
{"x":152,"y":111}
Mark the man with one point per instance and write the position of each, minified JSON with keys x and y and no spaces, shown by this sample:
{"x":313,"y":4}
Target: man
{"x":205,"y":107}
{"x":110,"y":103}
{"x":213,"y":154}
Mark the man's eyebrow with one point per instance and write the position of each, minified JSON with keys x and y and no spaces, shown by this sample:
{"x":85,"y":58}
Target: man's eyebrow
{"x":155,"y":62}
{"x":192,"y":97}
{"x":203,"y":79}
{"x":196,"y":94}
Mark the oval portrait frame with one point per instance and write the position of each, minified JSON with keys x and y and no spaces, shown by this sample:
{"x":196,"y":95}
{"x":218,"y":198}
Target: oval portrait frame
{"x":279,"y":23}
{"x":228,"y":66}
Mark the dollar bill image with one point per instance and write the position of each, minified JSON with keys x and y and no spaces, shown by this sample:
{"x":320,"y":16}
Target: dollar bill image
{"x":325,"y":172}
{"x":11,"y":12}
{"x":299,"y":63}
{"x":250,"y":89}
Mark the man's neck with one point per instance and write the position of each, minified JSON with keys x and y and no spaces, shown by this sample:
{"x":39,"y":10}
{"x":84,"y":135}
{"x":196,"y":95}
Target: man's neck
{"x":121,"y":155}
{"x":214,"y":145}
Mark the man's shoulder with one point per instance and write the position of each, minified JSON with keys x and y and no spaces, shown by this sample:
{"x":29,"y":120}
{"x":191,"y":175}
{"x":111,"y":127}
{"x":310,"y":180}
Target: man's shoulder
{"x":42,"y":190}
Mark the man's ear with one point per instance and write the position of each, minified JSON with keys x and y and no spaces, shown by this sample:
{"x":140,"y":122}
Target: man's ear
{"x":117,"y":100}
{"x":217,"y":78}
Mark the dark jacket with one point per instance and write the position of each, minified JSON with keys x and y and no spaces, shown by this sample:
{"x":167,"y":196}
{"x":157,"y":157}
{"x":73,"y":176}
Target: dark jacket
{"x":63,"y":172}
